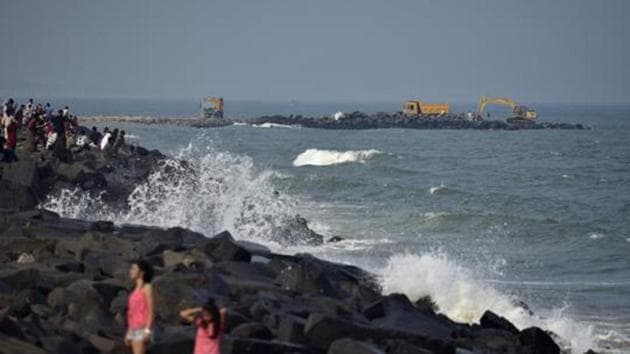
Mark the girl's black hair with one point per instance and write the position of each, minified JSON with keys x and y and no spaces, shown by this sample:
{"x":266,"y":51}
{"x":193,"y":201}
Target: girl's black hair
{"x":146,"y":268}
{"x":214,"y":312}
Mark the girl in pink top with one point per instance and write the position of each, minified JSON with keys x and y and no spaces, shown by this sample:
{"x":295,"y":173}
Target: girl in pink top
{"x":140,"y":312}
{"x":210,"y":324}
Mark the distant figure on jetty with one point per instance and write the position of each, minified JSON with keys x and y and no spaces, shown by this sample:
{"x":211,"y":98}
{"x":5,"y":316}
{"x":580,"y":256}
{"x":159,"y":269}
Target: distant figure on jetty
{"x":9,"y":127}
{"x":118,"y":142}
{"x":141,"y":308}
{"x":95,"y":136}
{"x":210,"y":323}
{"x":105,"y":139}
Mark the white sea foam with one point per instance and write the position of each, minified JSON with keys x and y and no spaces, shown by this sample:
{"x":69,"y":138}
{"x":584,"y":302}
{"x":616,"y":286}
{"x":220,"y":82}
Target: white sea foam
{"x":431,"y":215}
{"x":275,"y":125}
{"x":464,"y":297}
{"x":437,"y":189}
{"x":317,"y":157}
{"x":595,"y":235}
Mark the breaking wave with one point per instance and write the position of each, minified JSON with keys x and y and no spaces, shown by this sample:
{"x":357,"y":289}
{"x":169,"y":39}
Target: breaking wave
{"x":212,"y":191}
{"x":274,"y":125}
{"x":316,"y":157}
{"x":437,"y":189}
{"x":596,"y":235}
{"x":463,"y":297}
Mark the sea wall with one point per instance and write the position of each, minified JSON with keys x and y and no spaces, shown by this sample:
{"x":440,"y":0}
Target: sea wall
{"x":355,"y":120}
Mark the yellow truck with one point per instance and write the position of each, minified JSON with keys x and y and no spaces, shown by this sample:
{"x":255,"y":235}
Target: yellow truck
{"x":417,"y":107}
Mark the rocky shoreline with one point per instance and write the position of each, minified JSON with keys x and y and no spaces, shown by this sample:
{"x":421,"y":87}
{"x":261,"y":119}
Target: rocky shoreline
{"x":354,"y":120}
{"x":64,"y":286}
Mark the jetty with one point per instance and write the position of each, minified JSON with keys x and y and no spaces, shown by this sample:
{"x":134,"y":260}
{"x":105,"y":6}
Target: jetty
{"x":354,"y":120}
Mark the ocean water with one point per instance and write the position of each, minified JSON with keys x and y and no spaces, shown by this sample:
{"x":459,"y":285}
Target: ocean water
{"x":476,"y":219}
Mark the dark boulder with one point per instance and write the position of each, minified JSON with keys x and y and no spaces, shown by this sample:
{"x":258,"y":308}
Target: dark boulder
{"x":252,"y":330}
{"x":237,"y":345}
{"x":174,"y":339}
{"x":291,"y":329}
{"x":223,"y":247}
{"x":395,"y":311}
{"x":403,"y":347}
{"x":538,"y":341}
{"x":23,"y":173}
{"x":492,"y":320}
{"x":16,"y":196}
{"x":181,"y":290}
{"x":296,"y":231}
{"x":351,"y":346}
{"x":321,"y":331}
{"x":9,"y":345}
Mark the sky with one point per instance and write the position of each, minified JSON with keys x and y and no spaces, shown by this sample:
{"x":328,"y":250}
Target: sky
{"x":566,"y":51}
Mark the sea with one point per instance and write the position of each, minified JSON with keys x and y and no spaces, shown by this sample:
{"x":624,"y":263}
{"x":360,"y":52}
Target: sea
{"x":531,"y":224}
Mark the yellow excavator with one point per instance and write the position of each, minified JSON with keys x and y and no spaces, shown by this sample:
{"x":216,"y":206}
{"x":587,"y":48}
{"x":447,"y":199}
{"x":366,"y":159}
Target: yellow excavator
{"x":521,"y":114}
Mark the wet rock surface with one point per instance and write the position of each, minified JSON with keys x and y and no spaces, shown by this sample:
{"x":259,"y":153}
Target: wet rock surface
{"x":27,"y":182}
{"x":72,"y":296}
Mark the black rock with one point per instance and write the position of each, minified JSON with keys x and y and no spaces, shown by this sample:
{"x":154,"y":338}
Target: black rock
{"x":538,"y":341}
{"x":252,"y":330}
{"x":174,"y":339}
{"x":236,"y":345}
{"x":224,"y":248}
{"x":492,"y":320}
{"x":351,"y":346}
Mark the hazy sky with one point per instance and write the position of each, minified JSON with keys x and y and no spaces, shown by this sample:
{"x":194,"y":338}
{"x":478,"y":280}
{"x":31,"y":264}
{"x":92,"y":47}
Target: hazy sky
{"x":535,"y":51}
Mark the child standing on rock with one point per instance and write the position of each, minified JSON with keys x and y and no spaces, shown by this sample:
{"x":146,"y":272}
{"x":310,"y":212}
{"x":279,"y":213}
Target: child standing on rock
{"x":210,"y":323}
{"x":140,"y":309}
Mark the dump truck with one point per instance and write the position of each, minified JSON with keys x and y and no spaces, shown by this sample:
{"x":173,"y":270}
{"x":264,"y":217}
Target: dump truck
{"x":520,"y":113}
{"x":417,"y":107}
{"x":212,"y":107}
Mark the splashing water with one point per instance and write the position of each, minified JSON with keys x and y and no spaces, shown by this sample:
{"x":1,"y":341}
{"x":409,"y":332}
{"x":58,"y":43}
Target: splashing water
{"x":463,"y":297}
{"x":210,"y":192}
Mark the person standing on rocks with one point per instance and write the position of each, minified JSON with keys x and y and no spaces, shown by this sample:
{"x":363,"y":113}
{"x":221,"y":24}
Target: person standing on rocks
{"x":118,"y":143}
{"x":49,"y":111}
{"x":59,"y":130}
{"x":9,"y":127}
{"x":105,"y":138}
{"x":19,"y":115}
{"x":140,"y":309}
{"x":210,"y":323}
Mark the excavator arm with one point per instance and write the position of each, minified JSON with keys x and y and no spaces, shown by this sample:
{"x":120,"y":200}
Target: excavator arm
{"x":504,"y":101}
{"x":520,"y":112}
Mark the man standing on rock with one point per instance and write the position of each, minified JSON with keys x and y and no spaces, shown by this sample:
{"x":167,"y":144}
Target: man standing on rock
{"x":9,"y":127}
{"x":59,"y":128}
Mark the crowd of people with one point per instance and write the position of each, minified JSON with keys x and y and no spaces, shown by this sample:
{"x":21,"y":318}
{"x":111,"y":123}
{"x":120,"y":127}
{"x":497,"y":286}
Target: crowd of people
{"x":48,"y":129}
